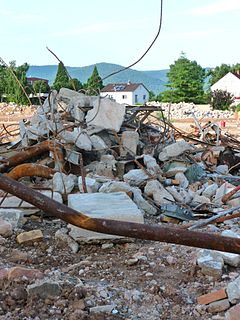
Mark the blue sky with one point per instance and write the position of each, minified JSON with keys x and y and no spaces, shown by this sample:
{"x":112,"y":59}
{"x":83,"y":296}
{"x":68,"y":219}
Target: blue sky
{"x":90,"y":31}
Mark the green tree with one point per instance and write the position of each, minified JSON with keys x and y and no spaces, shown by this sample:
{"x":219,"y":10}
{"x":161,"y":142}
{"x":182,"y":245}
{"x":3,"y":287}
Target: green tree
{"x":218,"y":72}
{"x":2,"y":81}
{"x":75,"y":84}
{"x":186,"y":81}
{"x":221,"y":99}
{"x":40,"y":86}
{"x":62,"y":79}
{"x":13,"y":90}
{"x":94,"y":83}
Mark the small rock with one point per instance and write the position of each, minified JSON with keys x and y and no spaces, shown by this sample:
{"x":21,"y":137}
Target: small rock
{"x":63,"y":183}
{"x":210,"y":262}
{"x":131,"y":262}
{"x":18,"y":256}
{"x":183,"y":181}
{"x":107,"y":245}
{"x":16,"y":273}
{"x":102,"y":309}
{"x":30,"y":236}
{"x":222,"y":169}
{"x":13,"y":216}
{"x":233,"y":290}
{"x":136,"y":177}
{"x":174,"y":150}
{"x":210,"y":190}
{"x":233,"y":313}
{"x":6,"y":229}
{"x":2,"y":240}
{"x":218,"y":306}
{"x":91,"y":184}
{"x":44,"y":289}
{"x":65,"y":238}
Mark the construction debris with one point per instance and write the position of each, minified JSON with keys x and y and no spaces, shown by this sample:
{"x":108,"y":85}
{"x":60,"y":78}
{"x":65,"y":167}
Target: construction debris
{"x":114,"y":170}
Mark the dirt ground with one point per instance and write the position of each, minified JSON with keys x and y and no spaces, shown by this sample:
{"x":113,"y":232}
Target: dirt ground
{"x":162,"y":283}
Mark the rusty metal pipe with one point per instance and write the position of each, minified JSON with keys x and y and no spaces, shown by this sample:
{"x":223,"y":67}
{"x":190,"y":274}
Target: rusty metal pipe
{"x":30,"y":170}
{"x":121,"y":228}
{"x":33,"y":151}
{"x":229,"y":195}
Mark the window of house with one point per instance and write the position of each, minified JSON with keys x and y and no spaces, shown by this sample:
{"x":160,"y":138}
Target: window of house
{"x":144,"y":97}
{"x":136,"y":98}
{"x":124,"y":96}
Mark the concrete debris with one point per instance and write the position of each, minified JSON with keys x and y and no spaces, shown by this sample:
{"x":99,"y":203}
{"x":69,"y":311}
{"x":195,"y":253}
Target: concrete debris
{"x":98,"y":137}
{"x":174,"y":150}
{"x":114,"y":206}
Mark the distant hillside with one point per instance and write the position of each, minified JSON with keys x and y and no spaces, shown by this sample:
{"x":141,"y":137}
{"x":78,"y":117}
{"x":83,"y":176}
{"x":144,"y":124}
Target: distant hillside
{"x":153,"y":80}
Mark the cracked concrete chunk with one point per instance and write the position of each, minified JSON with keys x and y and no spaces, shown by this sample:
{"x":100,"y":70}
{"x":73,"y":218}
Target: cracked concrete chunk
{"x":174,"y":150}
{"x":129,"y":142}
{"x":114,"y":206}
{"x":106,"y":114}
{"x":136,"y":177}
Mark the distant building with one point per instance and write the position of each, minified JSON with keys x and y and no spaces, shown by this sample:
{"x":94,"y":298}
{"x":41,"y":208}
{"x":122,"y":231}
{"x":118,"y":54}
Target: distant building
{"x":128,"y":93}
{"x":31,"y":80}
{"x":230,"y":83}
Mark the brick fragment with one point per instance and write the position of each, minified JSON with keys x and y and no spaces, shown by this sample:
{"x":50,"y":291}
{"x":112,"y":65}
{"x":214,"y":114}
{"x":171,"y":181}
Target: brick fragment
{"x":16,"y":273}
{"x":212,"y":296}
{"x":30,"y":236}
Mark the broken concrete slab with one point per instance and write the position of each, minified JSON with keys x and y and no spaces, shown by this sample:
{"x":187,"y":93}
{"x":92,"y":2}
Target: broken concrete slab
{"x":114,"y":206}
{"x":120,"y":186}
{"x":14,"y":202}
{"x":63,"y":183}
{"x":233,"y":290}
{"x":136,"y":177}
{"x":106,"y":114}
{"x":91,"y":184}
{"x":157,"y":191}
{"x":98,"y":143}
{"x":174,"y":150}
{"x":151,"y":164}
{"x":129,"y":143}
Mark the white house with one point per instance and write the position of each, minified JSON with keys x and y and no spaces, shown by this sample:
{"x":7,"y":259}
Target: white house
{"x":231,"y":83}
{"x":128,"y":93}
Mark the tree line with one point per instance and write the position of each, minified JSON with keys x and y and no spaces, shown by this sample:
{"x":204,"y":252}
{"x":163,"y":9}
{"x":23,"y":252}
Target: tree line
{"x":187,"y":81}
{"x":11,"y":91}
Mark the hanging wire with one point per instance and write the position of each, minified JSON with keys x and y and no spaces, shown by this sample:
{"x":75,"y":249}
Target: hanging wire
{"x":144,"y":54}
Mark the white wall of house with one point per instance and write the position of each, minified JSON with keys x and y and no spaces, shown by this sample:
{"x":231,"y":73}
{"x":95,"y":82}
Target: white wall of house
{"x":230,"y":83}
{"x":140,"y":95}
{"x":120,"y":97}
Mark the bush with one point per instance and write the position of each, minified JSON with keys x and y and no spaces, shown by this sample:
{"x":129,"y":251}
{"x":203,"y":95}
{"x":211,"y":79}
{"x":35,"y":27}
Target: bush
{"x":221,"y":99}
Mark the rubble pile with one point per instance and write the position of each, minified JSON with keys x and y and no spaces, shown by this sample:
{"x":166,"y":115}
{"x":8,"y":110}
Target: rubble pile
{"x":116,"y":162}
{"x":183,"y":110}
{"x":11,"y":108}
{"x":86,"y":145}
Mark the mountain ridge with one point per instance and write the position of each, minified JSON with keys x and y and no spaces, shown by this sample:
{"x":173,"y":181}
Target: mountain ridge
{"x":154,"y":80}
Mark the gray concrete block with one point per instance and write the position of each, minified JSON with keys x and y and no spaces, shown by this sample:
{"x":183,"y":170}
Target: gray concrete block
{"x":114,"y":206}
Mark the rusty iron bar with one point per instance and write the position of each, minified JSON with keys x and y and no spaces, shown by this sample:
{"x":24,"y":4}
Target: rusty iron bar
{"x":121,"y":228}
{"x":33,"y":151}
{"x":30,"y":170}
{"x":229,"y":195}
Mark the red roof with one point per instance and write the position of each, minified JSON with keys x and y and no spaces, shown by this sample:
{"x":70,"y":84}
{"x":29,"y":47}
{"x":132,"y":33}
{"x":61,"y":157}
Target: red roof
{"x":122,"y":87}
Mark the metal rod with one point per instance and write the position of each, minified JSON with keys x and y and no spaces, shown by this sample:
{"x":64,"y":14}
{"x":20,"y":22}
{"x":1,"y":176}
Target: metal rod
{"x":121,"y":228}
